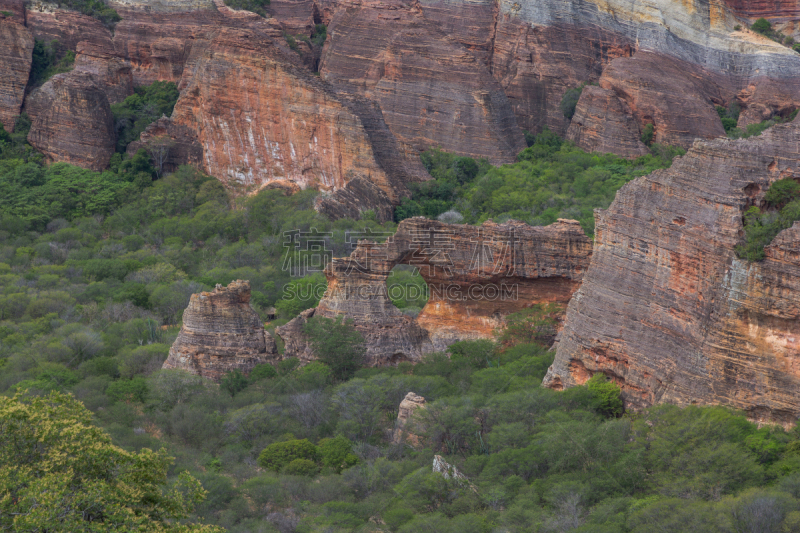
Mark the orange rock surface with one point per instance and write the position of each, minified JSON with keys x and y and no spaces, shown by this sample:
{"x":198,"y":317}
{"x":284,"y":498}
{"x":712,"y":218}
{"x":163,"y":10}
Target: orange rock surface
{"x":667,"y":309}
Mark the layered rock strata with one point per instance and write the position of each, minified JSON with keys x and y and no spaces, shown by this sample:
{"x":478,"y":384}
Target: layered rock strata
{"x":16,"y":49}
{"x":667,"y":309}
{"x":72,"y":121}
{"x":221,"y":333}
{"x":432,"y":90}
{"x":262,"y":119}
{"x":475,"y":274}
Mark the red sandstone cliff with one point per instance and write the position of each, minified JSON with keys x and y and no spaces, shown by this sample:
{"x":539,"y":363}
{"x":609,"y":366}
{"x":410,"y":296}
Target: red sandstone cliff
{"x":16,"y":47}
{"x":668,"y":311}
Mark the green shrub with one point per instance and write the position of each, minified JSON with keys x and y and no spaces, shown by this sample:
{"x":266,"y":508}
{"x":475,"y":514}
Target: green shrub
{"x":128,"y":390}
{"x":762,"y":26}
{"x":233,"y":382}
{"x":570,"y":100}
{"x":648,"y":134}
{"x":782,"y":191}
{"x":94,"y":8}
{"x":337,"y":453}
{"x":606,"y":396}
{"x":262,"y":371}
{"x":301,"y":467}
{"x":337,"y":344}
{"x":320,"y":34}
{"x":256,"y":6}
{"x":301,"y":294}
{"x":279,"y":454}
{"x":145,"y":106}
{"x":49,"y":59}
{"x":737,"y":27}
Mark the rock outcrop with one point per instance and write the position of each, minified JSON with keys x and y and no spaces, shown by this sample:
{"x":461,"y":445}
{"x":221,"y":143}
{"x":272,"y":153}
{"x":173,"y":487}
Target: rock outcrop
{"x":16,"y":48}
{"x":410,"y":404}
{"x":181,"y":144}
{"x":261,"y":119}
{"x":221,"y":333}
{"x":667,"y":309}
{"x":475,"y":274}
{"x":72,"y":121}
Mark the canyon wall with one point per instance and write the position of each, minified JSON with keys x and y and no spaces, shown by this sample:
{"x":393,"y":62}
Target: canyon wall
{"x":16,"y":48}
{"x":221,"y":333}
{"x":667,"y":309}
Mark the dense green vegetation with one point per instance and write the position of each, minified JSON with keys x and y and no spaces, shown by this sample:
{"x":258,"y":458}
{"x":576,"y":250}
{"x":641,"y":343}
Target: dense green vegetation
{"x":256,"y":6}
{"x":58,"y":472}
{"x":762,"y":225}
{"x":49,"y":59}
{"x":139,"y":110}
{"x":552,"y":179}
{"x":94,"y":8}
{"x":96,"y":269}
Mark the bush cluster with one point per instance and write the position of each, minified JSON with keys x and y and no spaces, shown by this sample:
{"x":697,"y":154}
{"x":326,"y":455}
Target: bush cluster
{"x":256,"y":6}
{"x":761,"y":226}
{"x":145,"y":106}
{"x":552,"y":179}
{"x":49,"y":59}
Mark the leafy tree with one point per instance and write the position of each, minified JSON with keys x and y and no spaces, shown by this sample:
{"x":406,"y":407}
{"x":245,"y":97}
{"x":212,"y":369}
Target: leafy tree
{"x":762,"y":26}
{"x":279,"y":454}
{"x":607,"y":400}
{"x":139,"y":110}
{"x":301,"y":467}
{"x":337,"y":344}
{"x":337,"y":453}
{"x":262,"y":371}
{"x":570,"y":100}
{"x":49,"y":59}
{"x":648,"y":134}
{"x":58,"y":472}
{"x":233,"y":382}
{"x":301,"y":294}
{"x":782,"y":191}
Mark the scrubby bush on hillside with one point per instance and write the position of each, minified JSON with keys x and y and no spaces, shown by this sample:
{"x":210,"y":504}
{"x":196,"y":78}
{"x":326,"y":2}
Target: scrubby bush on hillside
{"x":136,"y":112}
{"x":49,"y":59}
{"x":570,"y":100}
{"x":256,"y":6}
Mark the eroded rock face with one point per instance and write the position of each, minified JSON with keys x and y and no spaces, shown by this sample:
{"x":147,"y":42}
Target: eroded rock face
{"x":72,"y":121}
{"x":16,"y":47}
{"x":221,"y":333}
{"x":262,"y":119}
{"x":476,"y":276}
{"x":668,"y":311}
{"x":432,"y":90}
{"x":410,"y":404}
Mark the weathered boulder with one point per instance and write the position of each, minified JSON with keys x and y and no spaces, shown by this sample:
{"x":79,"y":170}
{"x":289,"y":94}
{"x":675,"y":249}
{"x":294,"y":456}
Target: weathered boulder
{"x":72,"y":121}
{"x":48,"y":22}
{"x":16,"y":48}
{"x":221,"y":333}
{"x":295,"y":341}
{"x":667,"y":309}
{"x":114,"y":75}
{"x":179,"y":143}
{"x":604,"y":123}
{"x":475,"y":274}
{"x":410,"y":404}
